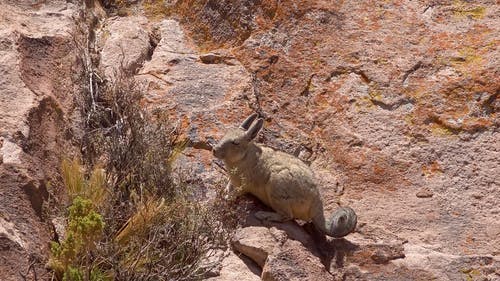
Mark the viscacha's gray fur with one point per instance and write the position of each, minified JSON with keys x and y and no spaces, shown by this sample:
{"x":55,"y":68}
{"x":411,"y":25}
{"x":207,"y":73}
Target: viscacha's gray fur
{"x":279,"y":180}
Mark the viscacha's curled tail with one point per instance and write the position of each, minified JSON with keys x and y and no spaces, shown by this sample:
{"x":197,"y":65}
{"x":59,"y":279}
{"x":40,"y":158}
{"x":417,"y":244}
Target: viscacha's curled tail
{"x":342,"y":222}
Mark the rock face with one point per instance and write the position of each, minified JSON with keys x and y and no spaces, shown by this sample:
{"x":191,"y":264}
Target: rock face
{"x":125,"y":44}
{"x":37,"y":68}
{"x":394,"y":104}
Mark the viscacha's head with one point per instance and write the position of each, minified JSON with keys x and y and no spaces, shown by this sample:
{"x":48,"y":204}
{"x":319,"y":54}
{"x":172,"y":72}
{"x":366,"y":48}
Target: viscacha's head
{"x":233,"y":147}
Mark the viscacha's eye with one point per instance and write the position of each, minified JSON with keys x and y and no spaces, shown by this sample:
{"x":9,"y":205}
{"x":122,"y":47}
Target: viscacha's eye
{"x":235,"y":142}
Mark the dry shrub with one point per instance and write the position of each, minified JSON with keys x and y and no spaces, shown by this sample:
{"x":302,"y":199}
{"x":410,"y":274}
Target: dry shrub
{"x":155,"y":229}
{"x":169,"y":241}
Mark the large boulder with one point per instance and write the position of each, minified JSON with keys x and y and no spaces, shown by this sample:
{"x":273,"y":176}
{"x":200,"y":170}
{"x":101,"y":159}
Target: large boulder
{"x":234,"y":267}
{"x":258,"y":243}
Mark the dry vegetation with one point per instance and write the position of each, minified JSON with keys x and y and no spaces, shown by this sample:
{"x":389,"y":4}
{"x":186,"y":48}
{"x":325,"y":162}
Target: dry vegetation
{"x":127,"y":218}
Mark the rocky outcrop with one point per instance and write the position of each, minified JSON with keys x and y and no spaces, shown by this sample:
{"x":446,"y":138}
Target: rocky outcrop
{"x":394,"y":104}
{"x":37,"y":74}
{"x":236,"y":267}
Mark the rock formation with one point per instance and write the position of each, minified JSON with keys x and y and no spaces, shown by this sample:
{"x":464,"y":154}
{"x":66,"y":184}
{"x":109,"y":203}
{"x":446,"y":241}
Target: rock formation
{"x":37,"y":113}
{"x":394,"y":103}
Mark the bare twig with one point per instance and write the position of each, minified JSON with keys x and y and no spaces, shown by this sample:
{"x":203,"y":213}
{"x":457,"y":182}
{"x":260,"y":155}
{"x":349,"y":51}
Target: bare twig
{"x":30,"y":268}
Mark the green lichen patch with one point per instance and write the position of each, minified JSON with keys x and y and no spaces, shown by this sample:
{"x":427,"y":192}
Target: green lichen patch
{"x":471,"y":273}
{"x":466,"y":57}
{"x":462,"y":9}
{"x":156,"y":9}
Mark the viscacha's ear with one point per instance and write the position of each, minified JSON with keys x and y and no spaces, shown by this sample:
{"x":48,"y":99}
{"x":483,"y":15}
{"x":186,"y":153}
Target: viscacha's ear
{"x":246,"y":124}
{"x":254,"y":130}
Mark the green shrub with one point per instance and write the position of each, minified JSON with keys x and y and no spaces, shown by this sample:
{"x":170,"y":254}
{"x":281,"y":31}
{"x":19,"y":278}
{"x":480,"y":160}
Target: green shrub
{"x":77,"y":274}
{"x":85,"y":222}
{"x":73,"y":274}
{"x":84,"y":230}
